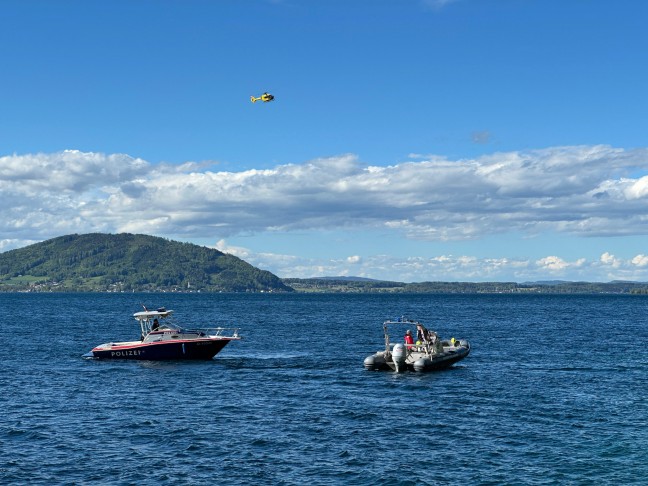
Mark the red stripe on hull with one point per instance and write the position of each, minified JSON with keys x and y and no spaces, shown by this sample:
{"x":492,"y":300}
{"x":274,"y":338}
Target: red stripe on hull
{"x":199,"y":349}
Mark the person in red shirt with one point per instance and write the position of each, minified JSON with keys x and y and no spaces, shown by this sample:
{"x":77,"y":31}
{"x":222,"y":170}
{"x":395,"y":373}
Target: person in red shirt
{"x":409,"y":340}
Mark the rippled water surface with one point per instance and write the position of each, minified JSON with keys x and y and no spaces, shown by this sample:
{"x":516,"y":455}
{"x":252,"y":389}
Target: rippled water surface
{"x":554,"y":392}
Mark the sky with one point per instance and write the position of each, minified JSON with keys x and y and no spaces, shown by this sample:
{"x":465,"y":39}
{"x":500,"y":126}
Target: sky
{"x":409,"y":140}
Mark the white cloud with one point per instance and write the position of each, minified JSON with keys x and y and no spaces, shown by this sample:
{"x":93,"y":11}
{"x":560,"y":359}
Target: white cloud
{"x":609,"y":259}
{"x":552,"y":263}
{"x":636,"y":189}
{"x":640,"y":260}
{"x":237,"y":251}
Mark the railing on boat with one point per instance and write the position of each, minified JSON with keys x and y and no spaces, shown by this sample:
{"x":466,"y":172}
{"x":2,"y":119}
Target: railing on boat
{"x":203,"y":331}
{"x":214,"y":331}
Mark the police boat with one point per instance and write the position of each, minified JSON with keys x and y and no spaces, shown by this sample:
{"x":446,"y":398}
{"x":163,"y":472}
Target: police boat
{"x":427,"y":353}
{"x":161,"y":339}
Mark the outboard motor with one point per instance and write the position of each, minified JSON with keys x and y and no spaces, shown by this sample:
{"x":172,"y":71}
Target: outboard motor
{"x":399,"y":354}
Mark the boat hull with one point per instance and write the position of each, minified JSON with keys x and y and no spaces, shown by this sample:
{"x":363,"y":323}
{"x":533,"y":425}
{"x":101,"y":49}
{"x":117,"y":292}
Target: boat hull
{"x":419,"y":362}
{"x":197,"y":349}
{"x":441,"y":362}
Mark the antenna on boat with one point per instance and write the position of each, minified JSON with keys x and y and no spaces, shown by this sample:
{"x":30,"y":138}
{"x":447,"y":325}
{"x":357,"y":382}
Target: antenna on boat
{"x":145,"y":309}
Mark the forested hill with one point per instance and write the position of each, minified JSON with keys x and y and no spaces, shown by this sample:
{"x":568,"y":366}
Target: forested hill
{"x":125,"y":262}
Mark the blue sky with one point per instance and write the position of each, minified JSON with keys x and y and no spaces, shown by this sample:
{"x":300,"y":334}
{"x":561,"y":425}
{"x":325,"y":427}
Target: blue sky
{"x":412,"y":140}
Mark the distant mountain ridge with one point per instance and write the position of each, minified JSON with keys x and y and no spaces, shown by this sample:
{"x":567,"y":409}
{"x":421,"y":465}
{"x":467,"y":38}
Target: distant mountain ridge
{"x":129,"y":262}
{"x":361,"y":285}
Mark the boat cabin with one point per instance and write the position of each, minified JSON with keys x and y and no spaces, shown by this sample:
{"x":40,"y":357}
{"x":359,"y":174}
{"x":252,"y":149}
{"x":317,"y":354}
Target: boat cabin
{"x":158,"y":326}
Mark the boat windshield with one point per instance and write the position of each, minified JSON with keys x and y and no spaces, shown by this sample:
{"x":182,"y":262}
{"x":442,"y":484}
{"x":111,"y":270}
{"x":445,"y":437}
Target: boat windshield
{"x":161,"y":320}
{"x":155,"y":320}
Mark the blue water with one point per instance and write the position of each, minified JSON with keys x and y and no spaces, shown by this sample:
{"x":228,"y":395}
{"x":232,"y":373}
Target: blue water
{"x":554,"y":392}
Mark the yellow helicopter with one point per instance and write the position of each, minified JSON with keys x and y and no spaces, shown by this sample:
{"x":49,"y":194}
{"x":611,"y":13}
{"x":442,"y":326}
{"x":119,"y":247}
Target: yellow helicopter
{"x":265,"y":97}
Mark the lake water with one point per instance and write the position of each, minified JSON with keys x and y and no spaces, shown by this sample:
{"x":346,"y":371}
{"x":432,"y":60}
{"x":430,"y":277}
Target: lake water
{"x":553,"y":392}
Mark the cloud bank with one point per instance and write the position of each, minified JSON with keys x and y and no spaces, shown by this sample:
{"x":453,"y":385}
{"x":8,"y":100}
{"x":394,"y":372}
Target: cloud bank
{"x":439,"y":268}
{"x":594,"y":190}
{"x":579,"y":190}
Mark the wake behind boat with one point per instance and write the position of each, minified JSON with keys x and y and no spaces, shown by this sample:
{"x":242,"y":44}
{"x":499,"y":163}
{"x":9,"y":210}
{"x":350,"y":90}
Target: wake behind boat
{"x":428,"y":353}
{"x":165,"y":340}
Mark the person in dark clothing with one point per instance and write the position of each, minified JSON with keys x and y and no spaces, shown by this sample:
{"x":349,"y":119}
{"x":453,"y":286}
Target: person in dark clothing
{"x":421,"y":333}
